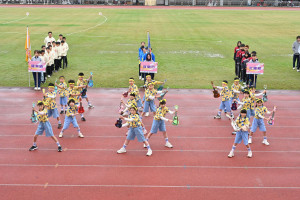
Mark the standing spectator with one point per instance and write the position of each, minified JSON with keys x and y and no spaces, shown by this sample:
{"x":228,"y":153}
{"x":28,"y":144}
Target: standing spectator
{"x":245,"y":60}
{"x":141,"y":52}
{"x":149,"y":59}
{"x":142,"y":59}
{"x":63,"y":53}
{"x":253,"y":77}
{"x":49,"y":61}
{"x":152,"y":55}
{"x":239,"y":56}
{"x":49,"y":38}
{"x":67,"y":49}
{"x":57,"y":59}
{"x":236,"y":49}
{"x":36,"y":75}
{"x":296,"y":50}
{"x":60,"y":38}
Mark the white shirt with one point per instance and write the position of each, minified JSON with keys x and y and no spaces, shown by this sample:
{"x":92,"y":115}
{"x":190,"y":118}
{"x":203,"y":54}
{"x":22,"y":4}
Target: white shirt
{"x":47,"y":39}
{"x":63,"y":51}
{"x":67,"y":47}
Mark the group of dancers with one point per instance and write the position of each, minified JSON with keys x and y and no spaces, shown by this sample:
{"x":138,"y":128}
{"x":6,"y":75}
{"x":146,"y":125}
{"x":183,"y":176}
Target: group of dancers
{"x":250,"y":106}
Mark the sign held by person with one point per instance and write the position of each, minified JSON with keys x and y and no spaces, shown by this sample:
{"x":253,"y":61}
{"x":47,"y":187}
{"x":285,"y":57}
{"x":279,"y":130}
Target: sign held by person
{"x":36,"y":66}
{"x":149,"y":67}
{"x":255,"y":68}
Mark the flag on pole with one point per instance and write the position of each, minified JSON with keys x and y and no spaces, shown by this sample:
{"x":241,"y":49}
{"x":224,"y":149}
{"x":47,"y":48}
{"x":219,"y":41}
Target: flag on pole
{"x":27,"y":46}
{"x":149,"y":45}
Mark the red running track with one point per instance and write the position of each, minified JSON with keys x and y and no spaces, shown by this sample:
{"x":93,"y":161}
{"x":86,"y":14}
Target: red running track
{"x":196,"y":168}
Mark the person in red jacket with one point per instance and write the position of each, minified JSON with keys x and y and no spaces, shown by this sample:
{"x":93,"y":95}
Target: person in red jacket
{"x":236,"y":49}
{"x":239,"y":56}
{"x":245,"y":60}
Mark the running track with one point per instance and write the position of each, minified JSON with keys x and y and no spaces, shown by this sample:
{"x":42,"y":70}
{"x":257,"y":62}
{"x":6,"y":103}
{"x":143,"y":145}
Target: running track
{"x":196,"y":168}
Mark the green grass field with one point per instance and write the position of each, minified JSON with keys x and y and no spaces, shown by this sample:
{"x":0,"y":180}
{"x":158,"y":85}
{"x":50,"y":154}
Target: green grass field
{"x":192,"y":47}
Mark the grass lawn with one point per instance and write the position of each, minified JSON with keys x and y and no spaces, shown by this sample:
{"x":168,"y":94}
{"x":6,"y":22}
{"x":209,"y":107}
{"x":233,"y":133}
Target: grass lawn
{"x":192,"y":47}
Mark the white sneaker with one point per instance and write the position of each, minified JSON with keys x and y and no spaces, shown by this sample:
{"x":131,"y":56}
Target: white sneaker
{"x":145,"y":146}
{"x":169,"y":145}
{"x":49,"y":76}
{"x":60,"y":135}
{"x":250,"y":141}
{"x":146,"y":114}
{"x":38,"y":88}
{"x":149,"y":153}
{"x":294,"y":68}
{"x":217,"y":117}
{"x":231,"y":154}
{"x":122,"y":150}
{"x":141,"y":77}
{"x":249,"y":154}
{"x":298,"y":70}
{"x":35,"y":88}
{"x":266,"y":142}
{"x":80,"y":135}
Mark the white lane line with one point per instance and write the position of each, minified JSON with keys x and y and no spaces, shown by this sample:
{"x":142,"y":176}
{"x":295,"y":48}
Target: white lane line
{"x":181,"y":126}
{"x":150,"y":166}
{"x":154,"y":186}
{"x":14,"y":21}
{"x":139,"y":150}
{"x":90,"y":27}
{"x":172,"y":137}
{"x":181,"y":116}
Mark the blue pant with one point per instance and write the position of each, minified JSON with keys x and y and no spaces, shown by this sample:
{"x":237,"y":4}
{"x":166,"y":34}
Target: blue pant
{"x":63,"y":101}
{"x":158,"y":125}
{"x":53,"y":112}
{"x":241,"y":135}
{"x":151,"y":105}
{"x":249,"y":113}
{"x":252,"y":112}
{"x":225,"y":105}
{"x":69,"y":120}
{"x":139,"y":103}
{"x":37,"y":79}
{"x":44,"y":126}
{"x":258,"y":123}
{"x":138,"y":132}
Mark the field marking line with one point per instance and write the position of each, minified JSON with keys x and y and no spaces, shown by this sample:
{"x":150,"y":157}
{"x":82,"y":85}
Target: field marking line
{"x":155,"y":186}
{"x":15,"y":21}
{"x":149,"y":166}
{"x":166,"y":150}
{"x":172,"y":137}
{"x":90,"y":27}
{"x":66,"y":34}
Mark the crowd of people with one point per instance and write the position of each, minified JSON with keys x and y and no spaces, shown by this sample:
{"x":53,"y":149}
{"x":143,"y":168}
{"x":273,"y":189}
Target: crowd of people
{"x":145,"y":55}
{"x":54,"y":54}
{"x":242,"y":56}
{"x":70,"y":99}
{"x":251,"y":105}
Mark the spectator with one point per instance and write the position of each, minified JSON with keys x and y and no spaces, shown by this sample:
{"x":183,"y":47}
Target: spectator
{"x":36,"y":75}
{"x":296,"y":50}
{"x":253,"y":77}
{"x":49,"y":38}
